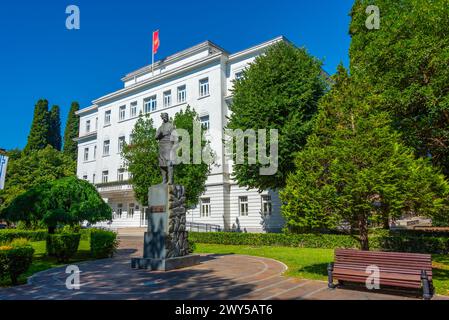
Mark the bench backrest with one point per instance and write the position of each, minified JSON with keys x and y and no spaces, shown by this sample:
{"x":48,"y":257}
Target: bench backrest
{"x":397,"y":262}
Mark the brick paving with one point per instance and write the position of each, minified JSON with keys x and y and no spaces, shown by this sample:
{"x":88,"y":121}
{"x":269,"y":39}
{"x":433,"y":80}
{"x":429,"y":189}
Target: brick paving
{"x":218,"y":277}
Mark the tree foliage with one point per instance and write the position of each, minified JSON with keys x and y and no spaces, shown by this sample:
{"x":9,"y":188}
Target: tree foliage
{"x":141,"y":159}
{"x":54,"y":135}
{"x":192,"y":176}
{"x":67,"y":201}
{"x":71,"y":132}
{"x":280,"y":90}
{"x":28,"y":170}
{"x":39,"y":133}
{"x":356,"y":170}
{"x":406,"y":63}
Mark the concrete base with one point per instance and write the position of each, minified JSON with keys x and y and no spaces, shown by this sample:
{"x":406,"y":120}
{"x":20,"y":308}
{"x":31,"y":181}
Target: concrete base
{"x":165,"y":264}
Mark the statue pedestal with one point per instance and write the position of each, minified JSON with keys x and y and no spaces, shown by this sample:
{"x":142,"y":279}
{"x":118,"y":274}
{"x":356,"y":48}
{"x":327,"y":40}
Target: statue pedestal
{"x":166,"y":241}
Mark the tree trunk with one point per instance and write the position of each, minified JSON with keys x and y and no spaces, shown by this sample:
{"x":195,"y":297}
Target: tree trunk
{"x":363,"y":232}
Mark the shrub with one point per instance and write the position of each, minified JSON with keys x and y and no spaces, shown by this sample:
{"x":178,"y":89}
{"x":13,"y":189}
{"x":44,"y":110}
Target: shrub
{"x":15,"y":259}
{"x":103,"y":244}
{"x":9,"y":235}
{"x":328,"y":241}
{"x":192,"y":247}
{"x":381,"y":242}
{"x":85,"y":234}
{"x":63,"y":246}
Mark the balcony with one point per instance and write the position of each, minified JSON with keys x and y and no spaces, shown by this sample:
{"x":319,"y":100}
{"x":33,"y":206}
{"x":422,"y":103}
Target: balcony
{"x":110,"y":189}
{"x":86,"y":136}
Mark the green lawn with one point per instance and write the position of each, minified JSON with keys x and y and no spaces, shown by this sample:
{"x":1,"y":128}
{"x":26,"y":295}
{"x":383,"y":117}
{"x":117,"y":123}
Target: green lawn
{"x":310,"y":263}
{"x":41,"y":262}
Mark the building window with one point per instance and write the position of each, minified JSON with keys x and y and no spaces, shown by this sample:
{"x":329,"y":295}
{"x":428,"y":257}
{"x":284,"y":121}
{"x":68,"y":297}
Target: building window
{"x":182,"y":94}
{"x":205,"y":207}
{"x":239,"y":75}
{"x":266,"y":205}
{"x":107,"y":118}
{"x":87,"y":126}
{"x":131,"y":208}
{"x":86,"y":154}
{"x":122,"y":113}
{"x":167,"y":99}
{"x":120,"y":174}
{"x":93,"y":178}
{"x":85,"y":177}
{"x":205,"y":122}
{"x":119,"y":210}
{"x":243,"y":206}
{"x":96,"y":124}
{"x":133,"y":110}
{"x":121,"y":143}
{"x":106,"y":148}
{"x":105,"y":177}
{"x":150,"y":104}
{"x":204,"y":87}
{"x":95,"y":152}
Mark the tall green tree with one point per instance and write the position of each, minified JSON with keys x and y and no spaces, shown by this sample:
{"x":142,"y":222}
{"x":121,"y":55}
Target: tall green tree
{"x":38,"y":137}
{"x":67,"y":201}
{"x":141,"y":158}
{"x":72,"y":132}
{"x":406,"y":63}
{"x":280,"y":90}
{"x":54,"y":136}
{"x":356,"y":170}
{"x":28,"y":170}
{"x":192,"y":176}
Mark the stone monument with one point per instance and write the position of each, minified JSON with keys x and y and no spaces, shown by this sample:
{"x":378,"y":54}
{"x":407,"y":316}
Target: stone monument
{"x":166,"y":244}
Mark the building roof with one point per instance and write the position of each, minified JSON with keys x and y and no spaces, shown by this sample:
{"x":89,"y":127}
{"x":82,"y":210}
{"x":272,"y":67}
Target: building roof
{"x":214,"y":50}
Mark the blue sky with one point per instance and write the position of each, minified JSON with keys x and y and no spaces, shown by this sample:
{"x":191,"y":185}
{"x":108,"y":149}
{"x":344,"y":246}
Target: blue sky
{"x":40,"y":58}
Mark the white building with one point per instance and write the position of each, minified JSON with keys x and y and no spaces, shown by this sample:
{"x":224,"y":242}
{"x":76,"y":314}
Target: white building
{"x":202,"y":77}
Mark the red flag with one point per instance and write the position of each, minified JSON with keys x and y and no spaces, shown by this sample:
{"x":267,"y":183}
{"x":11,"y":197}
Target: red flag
{"x":155,"y":41}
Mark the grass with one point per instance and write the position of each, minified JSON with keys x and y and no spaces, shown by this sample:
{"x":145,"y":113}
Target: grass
{"x":41,"y":262}
{"x":308,"y":263}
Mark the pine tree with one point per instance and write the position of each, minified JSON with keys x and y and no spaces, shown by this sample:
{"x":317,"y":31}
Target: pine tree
{"x":71,"y":132}
{"x":355,"y":170}
{"x":406,"y":61}
{"x":38,"y":137}
{"x":54,"y":137}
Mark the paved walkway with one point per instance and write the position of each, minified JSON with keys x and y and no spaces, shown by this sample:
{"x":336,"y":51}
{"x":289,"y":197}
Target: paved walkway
{"x":219,"y":277}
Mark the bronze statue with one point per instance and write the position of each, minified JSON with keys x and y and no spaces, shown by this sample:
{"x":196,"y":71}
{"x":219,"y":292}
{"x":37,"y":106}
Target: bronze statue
{"x":166,"y":146}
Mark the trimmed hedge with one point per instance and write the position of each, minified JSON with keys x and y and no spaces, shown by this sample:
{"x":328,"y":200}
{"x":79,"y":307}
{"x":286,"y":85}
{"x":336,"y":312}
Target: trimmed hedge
{"x":103,"y":244}
{"x":63,"y":246}
{"x":8,"y":235}
{"x":326,"y":241}
{"x":438,"y":245}
{"x":15,"y":259}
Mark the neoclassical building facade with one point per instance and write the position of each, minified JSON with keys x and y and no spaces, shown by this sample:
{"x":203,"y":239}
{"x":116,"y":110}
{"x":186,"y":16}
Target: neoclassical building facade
{"x":202,"y":77}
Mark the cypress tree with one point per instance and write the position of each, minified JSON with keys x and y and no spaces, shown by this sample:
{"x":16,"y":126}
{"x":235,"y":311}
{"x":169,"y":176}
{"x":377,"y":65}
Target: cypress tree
{"x":38,"y":137}
{"x":54,"y":137}
{"x":71,"y":132}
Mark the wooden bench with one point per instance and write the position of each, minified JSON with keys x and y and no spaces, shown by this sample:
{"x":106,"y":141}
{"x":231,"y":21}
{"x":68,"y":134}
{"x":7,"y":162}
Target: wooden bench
{"x":406,"y":270}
